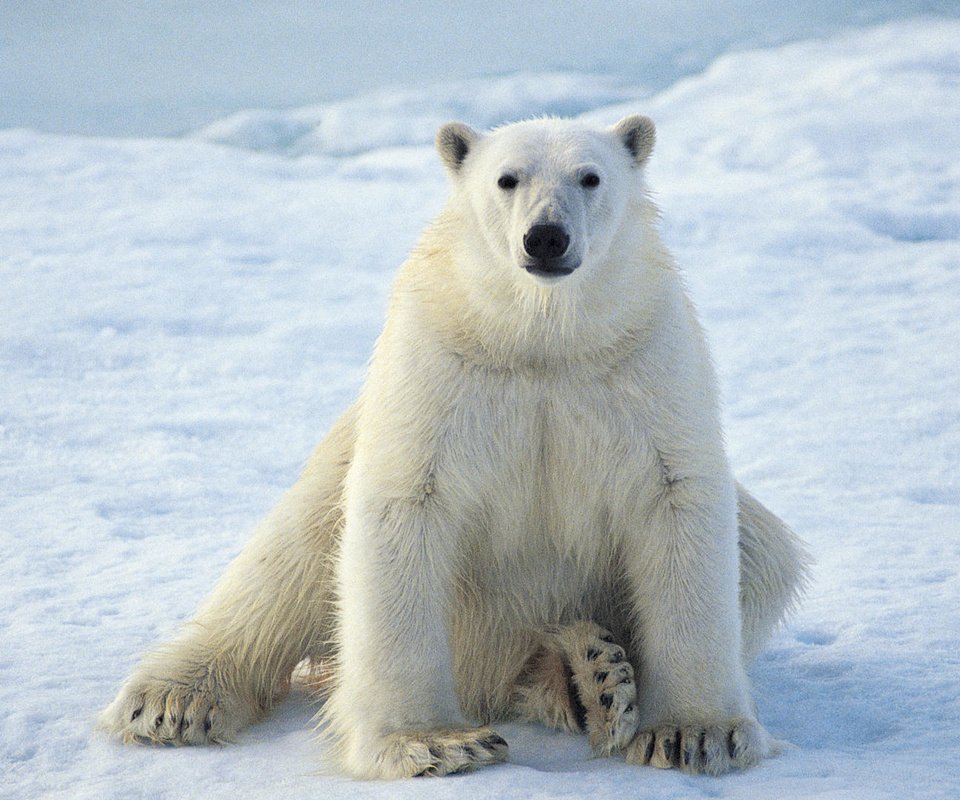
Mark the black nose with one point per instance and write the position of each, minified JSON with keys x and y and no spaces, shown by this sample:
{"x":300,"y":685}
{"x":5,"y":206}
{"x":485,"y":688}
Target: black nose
{"x":545,"y":242}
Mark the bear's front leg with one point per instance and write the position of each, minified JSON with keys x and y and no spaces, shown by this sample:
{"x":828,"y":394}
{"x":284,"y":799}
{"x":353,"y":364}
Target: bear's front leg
{"x":696,"y":711}
{"x":394,"y":709}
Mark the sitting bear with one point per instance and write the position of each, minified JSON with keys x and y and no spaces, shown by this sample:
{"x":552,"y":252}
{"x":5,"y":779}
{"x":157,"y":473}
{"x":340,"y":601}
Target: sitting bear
{"x":528,"y":513}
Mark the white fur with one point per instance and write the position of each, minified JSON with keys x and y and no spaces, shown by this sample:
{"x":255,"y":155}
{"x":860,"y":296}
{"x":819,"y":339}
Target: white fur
{"x":528,"y":451}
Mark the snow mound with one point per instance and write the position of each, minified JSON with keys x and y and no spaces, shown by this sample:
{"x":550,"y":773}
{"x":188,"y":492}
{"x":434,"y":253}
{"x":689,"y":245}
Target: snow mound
{"x":411,"y":117}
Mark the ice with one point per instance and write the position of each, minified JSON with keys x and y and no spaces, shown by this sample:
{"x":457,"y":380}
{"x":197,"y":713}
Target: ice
{"x":182,"y":319}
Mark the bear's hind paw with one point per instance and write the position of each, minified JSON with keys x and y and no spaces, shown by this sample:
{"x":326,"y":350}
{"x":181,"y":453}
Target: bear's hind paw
{"x":602,"y":681}
{"x":156,"y":712}
{"x":580,"y":680}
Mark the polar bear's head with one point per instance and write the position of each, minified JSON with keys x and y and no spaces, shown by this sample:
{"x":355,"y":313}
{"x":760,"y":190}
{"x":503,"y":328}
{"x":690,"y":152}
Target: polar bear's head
{"x":547,"y":195}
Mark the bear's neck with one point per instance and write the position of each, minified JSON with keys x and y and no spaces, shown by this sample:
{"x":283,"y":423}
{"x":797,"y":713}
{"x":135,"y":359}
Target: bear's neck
{"x":518,"y":325}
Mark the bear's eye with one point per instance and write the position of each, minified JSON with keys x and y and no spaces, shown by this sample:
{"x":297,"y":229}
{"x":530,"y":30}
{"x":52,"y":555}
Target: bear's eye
{"x":507,"y":182}
{"x":590,"y":181}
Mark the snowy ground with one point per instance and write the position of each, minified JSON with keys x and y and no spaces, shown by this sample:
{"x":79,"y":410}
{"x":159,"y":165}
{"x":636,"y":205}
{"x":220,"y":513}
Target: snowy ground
{"x":183,"y":318}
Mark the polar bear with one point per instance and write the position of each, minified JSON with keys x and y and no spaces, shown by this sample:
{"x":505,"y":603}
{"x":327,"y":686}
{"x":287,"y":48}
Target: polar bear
{"x":528,"y":513}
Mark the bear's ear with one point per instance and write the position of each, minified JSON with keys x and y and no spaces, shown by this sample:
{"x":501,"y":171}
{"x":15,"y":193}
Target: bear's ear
{"x":454,"y":141}
{"x":637,"y":133}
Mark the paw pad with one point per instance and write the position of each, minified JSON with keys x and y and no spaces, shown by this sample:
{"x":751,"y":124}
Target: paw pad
{"x":603,"y":682}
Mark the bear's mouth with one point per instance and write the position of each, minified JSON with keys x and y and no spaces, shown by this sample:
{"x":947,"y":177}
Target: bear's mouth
{"x":550,"y":268}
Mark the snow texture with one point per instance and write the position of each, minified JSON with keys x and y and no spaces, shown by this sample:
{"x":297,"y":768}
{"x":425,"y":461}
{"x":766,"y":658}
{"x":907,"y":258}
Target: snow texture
{"x":182,"y":319}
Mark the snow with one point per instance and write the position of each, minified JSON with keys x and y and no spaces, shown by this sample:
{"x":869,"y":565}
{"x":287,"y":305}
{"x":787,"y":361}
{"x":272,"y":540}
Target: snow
{"x":162,"y":68}
{"x":183,"y":318}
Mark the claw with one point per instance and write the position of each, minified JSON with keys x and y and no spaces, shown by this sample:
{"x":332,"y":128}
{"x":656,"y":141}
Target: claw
{"x":493,"y":741}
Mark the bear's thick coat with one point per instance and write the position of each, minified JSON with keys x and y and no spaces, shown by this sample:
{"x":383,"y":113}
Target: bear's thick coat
{"x":533,"y":475}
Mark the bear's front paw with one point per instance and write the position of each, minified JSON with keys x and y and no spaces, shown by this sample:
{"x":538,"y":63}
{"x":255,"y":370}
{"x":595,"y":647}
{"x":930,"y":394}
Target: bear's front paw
{"x":171,"y":712}
{"x":440,"y":752}
{"x":710,"y":749}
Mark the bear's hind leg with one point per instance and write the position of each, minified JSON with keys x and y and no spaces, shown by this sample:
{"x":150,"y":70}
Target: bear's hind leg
{"x":271,"y":609}
{"x":579,"y":680}
{"x":774,"y":570}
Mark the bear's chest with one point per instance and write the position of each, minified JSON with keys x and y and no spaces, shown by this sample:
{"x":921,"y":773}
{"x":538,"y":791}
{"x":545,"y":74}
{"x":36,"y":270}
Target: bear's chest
{"x":552,"y":461}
